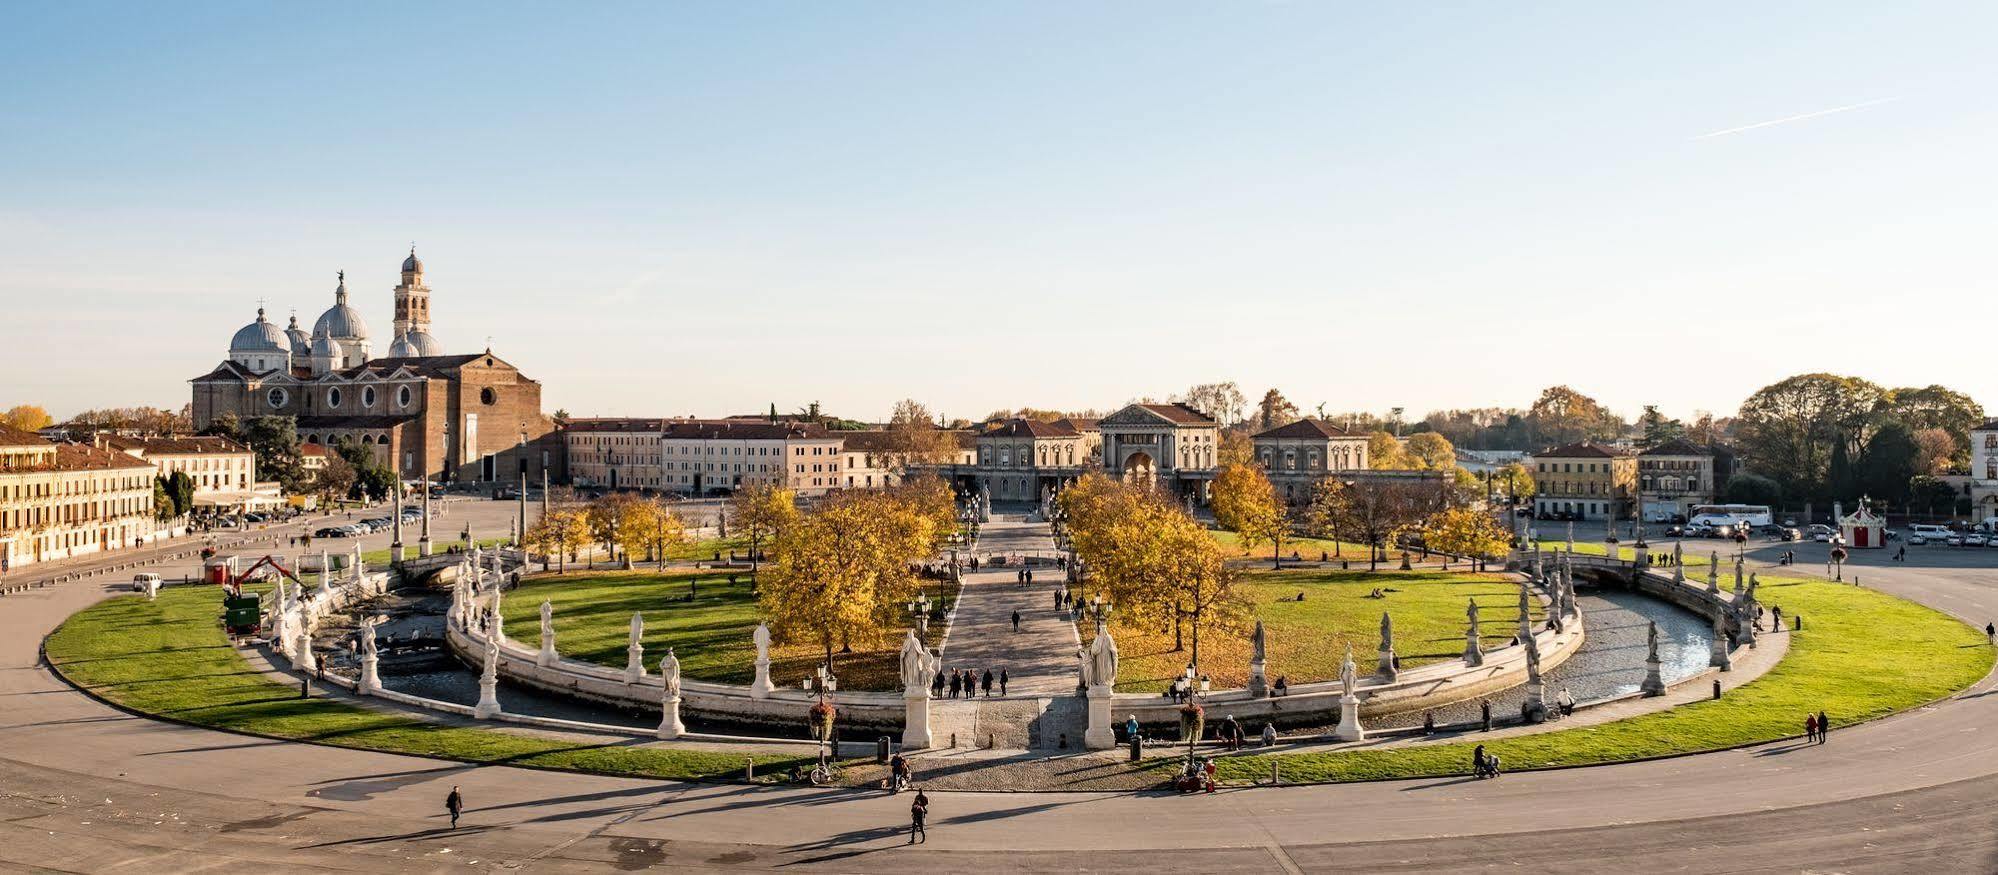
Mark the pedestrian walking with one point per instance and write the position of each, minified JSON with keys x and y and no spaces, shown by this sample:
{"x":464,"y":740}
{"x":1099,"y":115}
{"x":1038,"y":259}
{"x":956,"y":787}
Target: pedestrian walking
{"x":1824,"y":727}
{"x":919,"y":811}
{"x":1002,"y":682}
{"x":1485,"y":711}
{"x":1810,"y":728}
{"x":1016,"y":621}
{"x":956,"y":682}
{"x":1990,"y":632}
{"x":986,"y":682}
{"x":1057,"y":596}
{"x":454,"y":803}
{"x":937,"y":685}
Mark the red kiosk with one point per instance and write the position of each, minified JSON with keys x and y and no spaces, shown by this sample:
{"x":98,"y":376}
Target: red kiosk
{"x":1863,"y":529}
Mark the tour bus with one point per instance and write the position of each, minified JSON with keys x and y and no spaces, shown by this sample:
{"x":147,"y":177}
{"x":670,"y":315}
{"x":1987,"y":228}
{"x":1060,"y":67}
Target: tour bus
{"x":1754,"y":515}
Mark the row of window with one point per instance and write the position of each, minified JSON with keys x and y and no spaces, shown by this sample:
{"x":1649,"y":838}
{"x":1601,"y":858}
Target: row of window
{"x":1341,"y":461}
{"x":74,"y":486}
{"x":1571,"y":467}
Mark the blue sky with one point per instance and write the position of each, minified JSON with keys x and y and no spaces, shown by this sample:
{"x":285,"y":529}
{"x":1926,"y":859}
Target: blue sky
{"x":703,"y":209}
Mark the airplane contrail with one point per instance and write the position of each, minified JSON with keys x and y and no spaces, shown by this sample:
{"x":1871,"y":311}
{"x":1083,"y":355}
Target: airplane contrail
{"x":1797,"y":118}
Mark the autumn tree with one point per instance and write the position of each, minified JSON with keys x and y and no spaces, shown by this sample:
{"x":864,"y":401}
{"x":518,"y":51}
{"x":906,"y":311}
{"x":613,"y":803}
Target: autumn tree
{"x":1429,"y":451}
{"x":1935,"y":452}
{"x":1793,"y":428}
{"x":914,"y":437}
{"x":1562,"y":416}
{"x":760,"y":512}
{"x":1376,"y":511}
{"x":607,"y":517}
{"x":839,"y":575}
{"x":1151,"y":558}
{"x":1222,"y":401}
{"x":561,"y":532}
{"x":931,"y":499}
{"x":1518,"y":481}
{"x":1235,"y":448}
{"x":1322,"y":510}
{"x":26,"y":417}
{"x":1384,"y":452}
{"x":1940,"y":408}
{"x":1246,"y":503}
{"x":1654,"y":429}
{"x":1466,"y":532}
{"x":334,"y":479}
{"x":1275,"y":411}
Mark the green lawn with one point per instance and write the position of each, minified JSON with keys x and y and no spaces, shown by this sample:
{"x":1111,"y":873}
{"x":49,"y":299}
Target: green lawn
{"x":1307,"y":640}
{"x":170,"y":658}
{"x":710,"y":634}
{"x":1861,"y":655}
{"x":1308,"y":548}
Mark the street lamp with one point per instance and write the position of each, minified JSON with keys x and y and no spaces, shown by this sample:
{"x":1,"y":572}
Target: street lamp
{"x":1099,"y":609}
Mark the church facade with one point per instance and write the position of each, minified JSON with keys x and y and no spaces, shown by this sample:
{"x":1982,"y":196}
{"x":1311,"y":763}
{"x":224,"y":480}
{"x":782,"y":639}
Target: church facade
{"x":463,"y":418}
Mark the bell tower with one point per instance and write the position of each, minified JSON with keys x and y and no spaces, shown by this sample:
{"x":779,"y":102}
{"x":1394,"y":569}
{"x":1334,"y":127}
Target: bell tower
{"x":412,"y":297}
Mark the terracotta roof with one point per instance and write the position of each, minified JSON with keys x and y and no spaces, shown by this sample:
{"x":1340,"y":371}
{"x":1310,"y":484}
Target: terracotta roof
{"x":1081,"y":423}
{"x":431,"y":365}
{"x":14,"y":437}
{"x":1583,"y":450}
{"x":872,"y":440}
{"x":84,"y":457}
{"x":614,"y":424}
{"x":744,"y":431}
{"x":1306,"y":428}
{"x":1180,"y":414}
{"x":1031,"y":428}
{"x":1678,"y":447}
{"x":309,"y":448}
{"x":187,"y":446}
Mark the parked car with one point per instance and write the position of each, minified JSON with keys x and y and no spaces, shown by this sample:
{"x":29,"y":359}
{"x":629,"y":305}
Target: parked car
{"x":1675,"y":531}
{"x":1973,"y":539}
{"x":332,"y":532}
{"x":1789,"y":522}
{"x":1790,"y":534}
{"x":1928,"y":532}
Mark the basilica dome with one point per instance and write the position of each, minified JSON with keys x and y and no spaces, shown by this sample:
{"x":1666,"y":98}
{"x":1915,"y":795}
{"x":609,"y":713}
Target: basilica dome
{"x":415,"y":344}
{"x":341,"y":322}
{"x":259,"y":336}
{"x":301,"y":345}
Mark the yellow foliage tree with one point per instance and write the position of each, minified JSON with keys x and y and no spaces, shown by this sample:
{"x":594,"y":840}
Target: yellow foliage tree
{"x":1430,"y":451}
{"x":761,"y":511}
{"x":609,"y":517}
{"x":1247,"y":504}
{"x":1467,"y":532}
{"x":1150,"y":558}
{"x":1384,"y":453}
{"x":26,"y":417}
{"x":840,"y":574}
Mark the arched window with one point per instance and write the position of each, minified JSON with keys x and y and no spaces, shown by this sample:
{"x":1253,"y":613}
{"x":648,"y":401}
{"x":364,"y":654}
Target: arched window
{"x":1290,"y":460}
{"x":1313,"y":457}
{"x":368,"y":396}
{"x":402,"y":396}
{"x":332,"y":399}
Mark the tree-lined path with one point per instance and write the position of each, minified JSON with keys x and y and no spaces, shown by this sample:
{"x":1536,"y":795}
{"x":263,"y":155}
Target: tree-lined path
{"x":1040,"y":657}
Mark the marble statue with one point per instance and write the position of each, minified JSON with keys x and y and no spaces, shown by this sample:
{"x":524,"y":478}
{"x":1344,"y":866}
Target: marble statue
{"x":1678,"y":566}
{"x":1474,"y":647}
{"x":367,"y":639}
{"x":1102,"y":662}
{"x":1258,"y":660}
{"x":916,"y":670}
{"x":762,"y":639}
{"x":1525,"y":614}
{"x":1713,"y":571}
{"x":547,"y":655}
{"x":1388,"y":668}
{"x":669,"y":674}
{"x":1348,"y":675}
{"x":634,"y":666}
{"x":761,"y":687}
{"x":1654,"y":680}
{"x":1259,"y":644}
{"x":1719,"y":658}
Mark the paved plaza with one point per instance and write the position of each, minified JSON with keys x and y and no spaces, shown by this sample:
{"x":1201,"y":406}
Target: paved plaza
{"x":110,"y":791}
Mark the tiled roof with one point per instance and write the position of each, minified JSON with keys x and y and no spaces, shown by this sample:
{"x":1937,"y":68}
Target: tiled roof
{"x":14,"y":437}
{"x":744,"y":431}
{"x":870,"y":441}
{"x":1031,"y":428}
{"x":84,"y":457}
{"x":186,"y":446}
{"x":431,"y":365}
{"x":309,"y":448}
{"x":1081,"y":423}
{"x":615,"y":424}
{"x":1306,"y":428}
{"x":1583,"y":450}
{"x":1678,"y":447}
{"x":1180,"y":414}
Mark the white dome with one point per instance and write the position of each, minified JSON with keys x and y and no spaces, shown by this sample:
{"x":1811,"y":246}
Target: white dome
{"x":259,"y":336}
{"x":415,"y":344}
{"x":301,"y":345}
{"x":341,"y":322}
{"x":323,"y":346}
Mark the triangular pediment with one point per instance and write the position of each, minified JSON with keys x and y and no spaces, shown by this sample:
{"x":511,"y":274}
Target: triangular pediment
{"x":1136,"y":414}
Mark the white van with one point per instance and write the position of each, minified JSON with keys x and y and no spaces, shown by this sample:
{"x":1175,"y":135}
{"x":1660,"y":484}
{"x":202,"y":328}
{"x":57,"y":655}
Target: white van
{"x":1921,"y":533}
{"x":144,"y":582}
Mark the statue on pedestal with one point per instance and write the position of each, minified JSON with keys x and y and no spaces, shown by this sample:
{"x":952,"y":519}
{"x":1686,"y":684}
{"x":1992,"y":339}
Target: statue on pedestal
{"x":547,"y":656}
{"x":1654,"y":681}
{"x":760,"y":688}
{"x":1388,"y":669}
{"x":670,"y":726}
{"x":1258,"y":656}
{"x":370,"y":679}
{"x":634,"y":664}
{"x":1474,"y":648}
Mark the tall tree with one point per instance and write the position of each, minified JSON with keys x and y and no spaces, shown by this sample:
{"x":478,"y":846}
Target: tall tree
{"x":1466,"y":532}
{"x":839,"y":575}
{"x":26,"y":417}
{"x":274,"y":439}
{"x":1562,"y":416}
{"x":1935,"y":452}
{"x":1887,"y":464}
{"x":1384,"y":453}
{"x":914,"y":438}
{"x":1223,"y":401}
{"x":1789,"y":428}
{"x":1246,"y":503}
{"x":1430,"y":452}
{"x":1656,"y":429}
{"x":1376,"y":511}
{"x":1275,"y":410}
{"x":1937,"y":407}
{"x":761,"y":511}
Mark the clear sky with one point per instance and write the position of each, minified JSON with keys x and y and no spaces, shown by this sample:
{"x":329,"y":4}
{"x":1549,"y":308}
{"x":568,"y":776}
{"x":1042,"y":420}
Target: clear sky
{"x":670,"y":209}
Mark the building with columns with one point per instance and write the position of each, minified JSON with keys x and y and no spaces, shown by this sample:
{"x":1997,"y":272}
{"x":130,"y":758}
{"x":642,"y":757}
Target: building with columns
{"x":463,"y":418}
{"x":1171,"y":446}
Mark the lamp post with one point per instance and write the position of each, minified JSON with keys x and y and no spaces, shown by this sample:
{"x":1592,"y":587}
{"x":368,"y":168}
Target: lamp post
{"x":919,"y":607}
{"x":1100,"y":610}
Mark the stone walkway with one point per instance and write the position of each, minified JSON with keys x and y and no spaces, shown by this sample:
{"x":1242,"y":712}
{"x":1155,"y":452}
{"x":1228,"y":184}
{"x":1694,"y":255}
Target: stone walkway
{"x":1039,"y":659}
